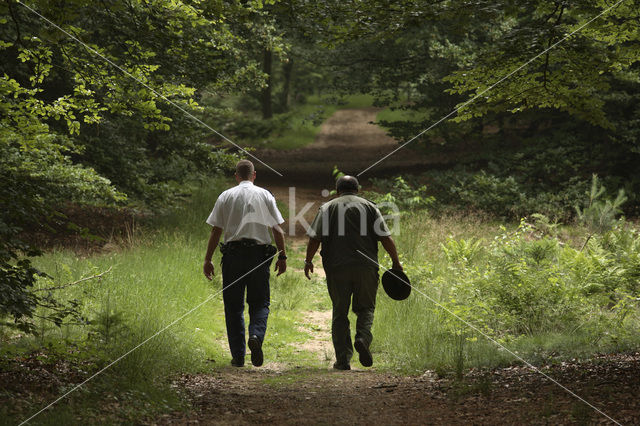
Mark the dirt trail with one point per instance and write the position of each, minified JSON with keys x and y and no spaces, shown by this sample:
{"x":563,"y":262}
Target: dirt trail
{"x":290,"y":394}
{"x":349,"y":140}
{"x":511,"y":396}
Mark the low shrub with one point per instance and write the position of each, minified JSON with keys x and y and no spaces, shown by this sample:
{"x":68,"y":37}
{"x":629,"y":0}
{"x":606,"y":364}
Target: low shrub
{"x":393,"y":195}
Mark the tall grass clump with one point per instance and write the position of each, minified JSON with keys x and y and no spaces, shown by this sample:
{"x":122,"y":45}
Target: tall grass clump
{"x":154,"y":279}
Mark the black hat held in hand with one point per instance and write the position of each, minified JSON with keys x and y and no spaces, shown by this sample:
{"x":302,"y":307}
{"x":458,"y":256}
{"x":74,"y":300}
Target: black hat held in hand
{"x":396,"y":284}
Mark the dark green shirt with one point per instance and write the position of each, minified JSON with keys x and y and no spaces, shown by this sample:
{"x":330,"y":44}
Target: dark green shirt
{"x":345,"y":225}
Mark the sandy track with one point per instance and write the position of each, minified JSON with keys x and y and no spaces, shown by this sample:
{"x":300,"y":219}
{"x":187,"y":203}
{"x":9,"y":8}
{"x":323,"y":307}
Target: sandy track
{"x":350,"y":140}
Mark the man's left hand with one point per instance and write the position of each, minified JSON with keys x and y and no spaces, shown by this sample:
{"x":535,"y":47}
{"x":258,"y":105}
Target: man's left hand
{"x":281,"y":266}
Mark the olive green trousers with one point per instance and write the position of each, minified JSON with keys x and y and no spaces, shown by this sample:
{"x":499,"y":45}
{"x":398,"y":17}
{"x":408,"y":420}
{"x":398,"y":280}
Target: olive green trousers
{"x":359,"y":283}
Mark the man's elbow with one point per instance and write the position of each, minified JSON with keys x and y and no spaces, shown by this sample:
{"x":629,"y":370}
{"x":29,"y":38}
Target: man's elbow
{"x":385,"y":239}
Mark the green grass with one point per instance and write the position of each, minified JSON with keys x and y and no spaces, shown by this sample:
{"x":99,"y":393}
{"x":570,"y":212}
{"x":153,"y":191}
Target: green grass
{"x":155,"y":279}
{"x":303,"y":121}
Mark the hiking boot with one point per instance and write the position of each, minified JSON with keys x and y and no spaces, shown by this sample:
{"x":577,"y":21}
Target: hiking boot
{"x":341,"y":366}
{"x":237,"y":362}
{"x":363,"y":350}
{"x":255,"y":345}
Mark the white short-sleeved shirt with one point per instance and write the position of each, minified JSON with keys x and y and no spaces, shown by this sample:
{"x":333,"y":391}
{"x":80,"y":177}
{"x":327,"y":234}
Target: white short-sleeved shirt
{"x":246,"y":211}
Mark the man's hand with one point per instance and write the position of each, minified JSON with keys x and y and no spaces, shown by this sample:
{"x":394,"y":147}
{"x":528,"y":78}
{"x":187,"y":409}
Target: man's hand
{"x":390,"y":246}
{"x":208,"y":269}
{"x":281,"y":266}
{"x":308,"y":269}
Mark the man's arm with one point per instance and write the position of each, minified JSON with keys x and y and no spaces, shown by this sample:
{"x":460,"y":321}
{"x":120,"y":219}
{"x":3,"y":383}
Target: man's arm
{"x":312,"y":248}
{"x":390,"y":246}
{"x":214,"y":239}
{"x":278,"y":237}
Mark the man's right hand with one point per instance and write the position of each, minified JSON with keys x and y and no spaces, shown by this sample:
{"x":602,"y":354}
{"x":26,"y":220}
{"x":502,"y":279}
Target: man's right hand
{"x":397,"y":266}
{"x":308,"y":269}
{"x":208,"y":269}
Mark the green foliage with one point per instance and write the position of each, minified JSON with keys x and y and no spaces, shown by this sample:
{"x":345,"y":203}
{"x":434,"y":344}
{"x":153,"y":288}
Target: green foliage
{"x":397,"y":194}
{"x":564,"y":115}
{"x":527,"y":286}
{"x":505,"y":195}
{"x":572,"y":77}
{"x":490,"y":193}
{"x":35,"y":177}
{"x":599,"y":216}
{"x":16,"y":300}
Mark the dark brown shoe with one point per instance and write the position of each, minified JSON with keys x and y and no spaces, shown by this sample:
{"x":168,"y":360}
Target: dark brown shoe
{"x":340,"y":366}
{"x":257,"y":357}
{"x":237,"y":362}
{"x":365,"y":354}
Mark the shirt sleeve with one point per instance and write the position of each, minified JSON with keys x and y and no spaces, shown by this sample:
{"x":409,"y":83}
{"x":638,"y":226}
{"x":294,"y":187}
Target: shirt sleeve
{"x":379,"y":225}
{"x":315,"y":230}
{"x":216,"y":218}
{"x":274,"y":211}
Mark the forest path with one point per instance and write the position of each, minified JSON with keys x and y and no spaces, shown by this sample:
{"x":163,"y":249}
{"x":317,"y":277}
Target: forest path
{"x":513,"y":395}
{"x":350,"y":140}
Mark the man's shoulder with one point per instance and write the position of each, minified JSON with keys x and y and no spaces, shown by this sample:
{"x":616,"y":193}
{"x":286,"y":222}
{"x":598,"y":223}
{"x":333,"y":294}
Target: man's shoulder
{"x":263,"y":191}
{"x":224,"y":194}
{"x":349,"y":199}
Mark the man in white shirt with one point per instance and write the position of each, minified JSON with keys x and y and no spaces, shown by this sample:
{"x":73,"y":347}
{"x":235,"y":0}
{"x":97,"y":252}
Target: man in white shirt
{"x":245,"y":213}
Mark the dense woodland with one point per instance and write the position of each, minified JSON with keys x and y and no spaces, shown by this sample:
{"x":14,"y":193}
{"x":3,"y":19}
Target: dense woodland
{"x":109,"y":106}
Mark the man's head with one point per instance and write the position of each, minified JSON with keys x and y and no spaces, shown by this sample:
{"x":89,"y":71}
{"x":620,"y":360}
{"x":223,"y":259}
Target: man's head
{"x":347,"y":183}
{"x":245,"y":171}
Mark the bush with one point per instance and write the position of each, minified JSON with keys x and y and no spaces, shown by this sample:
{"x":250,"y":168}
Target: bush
{"x":528,"y":286}
{"x":36,"y":177}
{"x":399,"y":193}
{"x":505,"y":196}
{"x":490,"y":193}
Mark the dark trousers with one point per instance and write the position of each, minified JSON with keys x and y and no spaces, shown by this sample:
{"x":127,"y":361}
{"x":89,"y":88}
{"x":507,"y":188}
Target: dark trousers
{"x":361,"y":284}
{"x":237,"y":262}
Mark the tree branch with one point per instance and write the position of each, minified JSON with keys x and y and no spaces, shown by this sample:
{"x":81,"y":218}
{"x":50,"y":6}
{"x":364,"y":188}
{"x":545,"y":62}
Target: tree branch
{"x":75,"y":282}
{"x":15,"y":22}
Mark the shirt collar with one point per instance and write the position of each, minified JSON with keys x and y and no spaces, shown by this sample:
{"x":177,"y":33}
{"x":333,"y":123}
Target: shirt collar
{"x":245,"y":183}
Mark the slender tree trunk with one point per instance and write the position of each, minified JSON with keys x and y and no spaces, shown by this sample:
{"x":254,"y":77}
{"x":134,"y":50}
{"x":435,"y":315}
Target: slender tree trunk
{"x":287,"y":70}
{"x":265,"y":96}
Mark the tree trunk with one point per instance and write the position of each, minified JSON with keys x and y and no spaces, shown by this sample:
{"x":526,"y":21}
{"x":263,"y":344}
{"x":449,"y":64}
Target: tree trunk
{"x":265,"y":96}
{"x":286,"y":69}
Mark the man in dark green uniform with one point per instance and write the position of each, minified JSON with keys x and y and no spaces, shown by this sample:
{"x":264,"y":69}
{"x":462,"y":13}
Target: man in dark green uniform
{"x":349,"y":228}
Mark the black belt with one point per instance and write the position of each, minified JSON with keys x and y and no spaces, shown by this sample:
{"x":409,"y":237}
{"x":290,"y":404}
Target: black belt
{"x":242,"y":243}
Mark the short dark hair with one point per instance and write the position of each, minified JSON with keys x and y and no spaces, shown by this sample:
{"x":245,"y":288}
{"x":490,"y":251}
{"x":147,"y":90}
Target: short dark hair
{"x":347,"y":183}
{"x":244,"y":169}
